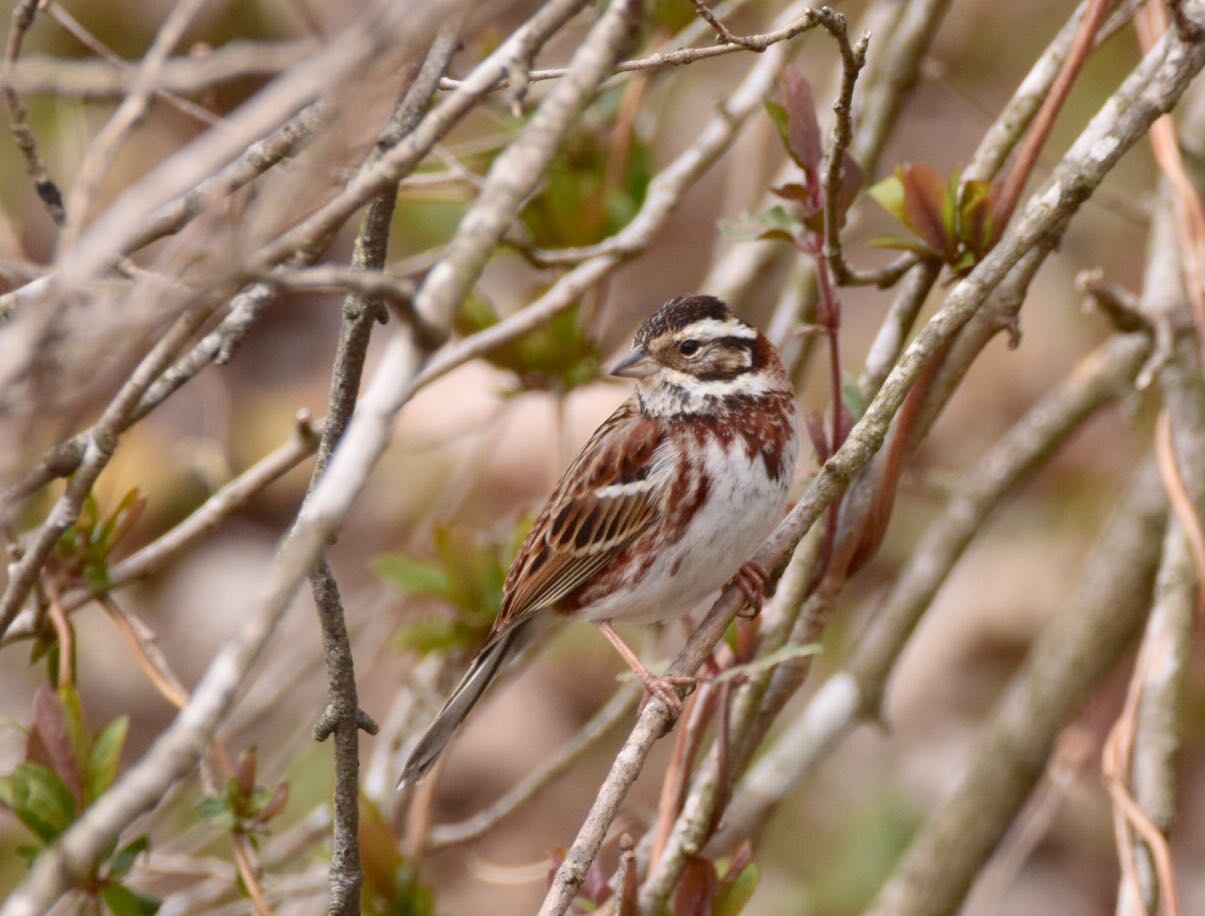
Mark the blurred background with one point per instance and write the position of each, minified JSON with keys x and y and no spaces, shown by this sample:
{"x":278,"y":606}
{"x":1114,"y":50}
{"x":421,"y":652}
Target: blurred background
{"x":473,"y":455}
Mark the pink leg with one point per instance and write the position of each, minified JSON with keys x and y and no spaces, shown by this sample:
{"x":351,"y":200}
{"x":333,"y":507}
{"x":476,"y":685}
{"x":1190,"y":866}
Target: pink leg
{"x":751,"y":579}
{"x":663,"y":687}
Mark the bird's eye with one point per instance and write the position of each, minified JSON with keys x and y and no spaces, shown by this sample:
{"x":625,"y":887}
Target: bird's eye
{"x":688,"y":347}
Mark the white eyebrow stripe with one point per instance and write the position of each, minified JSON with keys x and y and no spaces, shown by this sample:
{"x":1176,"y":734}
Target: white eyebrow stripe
{"x":712,"y":329}
{"x":752,"y":383}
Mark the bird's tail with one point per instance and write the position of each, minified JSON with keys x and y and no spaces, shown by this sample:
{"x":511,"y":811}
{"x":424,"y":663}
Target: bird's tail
{"x":472,"y":686}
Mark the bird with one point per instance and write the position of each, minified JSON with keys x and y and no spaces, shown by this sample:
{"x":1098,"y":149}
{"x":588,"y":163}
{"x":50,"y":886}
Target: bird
{"x":666,"y":502}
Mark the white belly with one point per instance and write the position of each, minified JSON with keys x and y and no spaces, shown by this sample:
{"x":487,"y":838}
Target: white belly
{"x":742,"y":508}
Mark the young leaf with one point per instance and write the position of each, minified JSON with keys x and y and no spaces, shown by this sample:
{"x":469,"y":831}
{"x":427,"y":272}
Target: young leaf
{"x":417,"y":576}
{"x":105,"y":758}
{"x":59,"y":739}
{"x":40,"y":800}
{"x":903,"y":243}
{"x":125,"y":901}
{"x":889,"y":194}
{"x":927,"y":209}
{"x":696,"y":888}
{"x":803,"y":130}
{"x":851,"y":397}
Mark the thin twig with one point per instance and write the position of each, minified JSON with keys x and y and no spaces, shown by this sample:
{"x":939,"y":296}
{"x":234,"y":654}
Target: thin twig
{"x":22,"y":19}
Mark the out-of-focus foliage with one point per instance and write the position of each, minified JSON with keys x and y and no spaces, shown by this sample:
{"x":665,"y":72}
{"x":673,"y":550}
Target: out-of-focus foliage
{"x":465,"y":576}
{"x":66,"y":768}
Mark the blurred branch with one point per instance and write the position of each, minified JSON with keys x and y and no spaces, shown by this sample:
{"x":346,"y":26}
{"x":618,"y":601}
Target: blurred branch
{"x":383,"y":29}
{"x":855,"y":694}
{"x":99,"y":444}
{"x":104,"y":146}
{"x":106,"y":78}
{"x":616,"y":709}
{"x":512,"y":177}
{"x":896,"y":325}
{"x":1079,"y":646}
{"x":399,"y":161}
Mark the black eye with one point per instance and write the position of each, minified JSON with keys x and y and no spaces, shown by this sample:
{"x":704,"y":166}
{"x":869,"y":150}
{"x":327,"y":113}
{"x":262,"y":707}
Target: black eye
{"x":688,"y":347}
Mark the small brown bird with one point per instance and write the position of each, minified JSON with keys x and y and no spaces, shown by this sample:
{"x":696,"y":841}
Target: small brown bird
{"x":666,"y":502}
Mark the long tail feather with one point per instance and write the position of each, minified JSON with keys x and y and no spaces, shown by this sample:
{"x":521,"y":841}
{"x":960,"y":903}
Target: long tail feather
{"x":472,"y":686}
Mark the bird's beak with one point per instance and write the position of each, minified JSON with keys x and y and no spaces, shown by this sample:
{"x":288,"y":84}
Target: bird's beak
{"x":637,"y":364}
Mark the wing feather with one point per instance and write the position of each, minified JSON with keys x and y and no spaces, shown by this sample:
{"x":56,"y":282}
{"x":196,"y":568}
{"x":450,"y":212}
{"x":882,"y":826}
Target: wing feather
{"x":609,"y":496}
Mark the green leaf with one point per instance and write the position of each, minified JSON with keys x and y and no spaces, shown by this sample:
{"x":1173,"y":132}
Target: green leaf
{"x":125,"y":901}
{"x":419,"y":577}
{"x":105,"y":759}
{"x":889,"y":194}
{"x":41,"y":800}
{"x":735,"y":894}
{"x":851,"y":397}
{"x":432,"y":636}
{"x":123,"y":859}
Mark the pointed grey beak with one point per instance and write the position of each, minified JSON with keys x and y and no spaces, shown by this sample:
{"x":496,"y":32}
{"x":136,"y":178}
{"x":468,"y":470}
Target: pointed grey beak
{"x":637,"y":364}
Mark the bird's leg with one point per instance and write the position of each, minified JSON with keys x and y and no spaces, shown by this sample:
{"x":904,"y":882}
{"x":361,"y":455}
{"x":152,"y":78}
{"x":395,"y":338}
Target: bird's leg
{"x":751,"y":579}
{"x":663,"y":687}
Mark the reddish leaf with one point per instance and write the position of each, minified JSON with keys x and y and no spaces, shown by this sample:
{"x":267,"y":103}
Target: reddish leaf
{"x":792,"y":191}
{"x":698,"y":885}
{"x":53,"y":735}
{"x":803,"y":130}
{"x":924,"y":206}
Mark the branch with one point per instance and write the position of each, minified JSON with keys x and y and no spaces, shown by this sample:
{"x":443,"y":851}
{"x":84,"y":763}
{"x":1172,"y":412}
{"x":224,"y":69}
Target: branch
{"x":99,"y":80}
{"x":343,"y":717}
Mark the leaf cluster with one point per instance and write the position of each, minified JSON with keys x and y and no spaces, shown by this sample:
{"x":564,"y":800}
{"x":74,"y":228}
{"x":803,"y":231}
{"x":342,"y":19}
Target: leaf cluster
{"x":66,"y":768}
{"x":244,"y":807}
{"x":950,"y":220}
{"x":466,"y":576}
{"x":84,"y":549}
